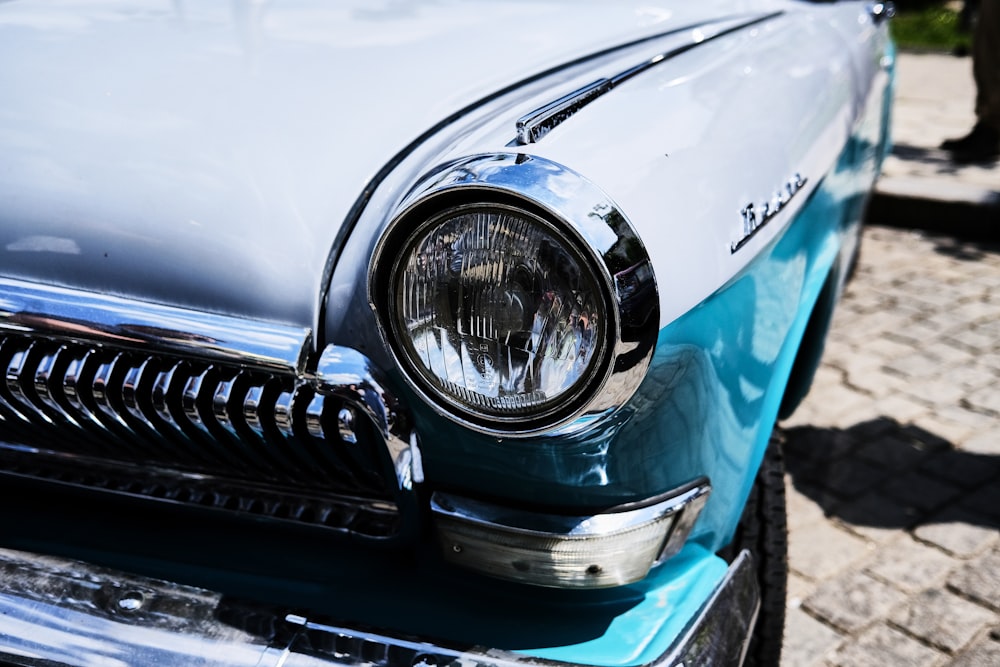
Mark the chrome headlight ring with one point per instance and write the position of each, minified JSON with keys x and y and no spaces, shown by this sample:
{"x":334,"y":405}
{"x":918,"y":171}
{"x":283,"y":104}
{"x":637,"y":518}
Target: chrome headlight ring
{"x":515,"y":296}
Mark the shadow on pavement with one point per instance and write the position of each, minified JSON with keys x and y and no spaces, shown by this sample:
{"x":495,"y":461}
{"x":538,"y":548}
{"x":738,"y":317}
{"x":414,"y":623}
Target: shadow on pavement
{"x":964,"y":250}
{"x":930,"y":156}
{"x":883,"y":474}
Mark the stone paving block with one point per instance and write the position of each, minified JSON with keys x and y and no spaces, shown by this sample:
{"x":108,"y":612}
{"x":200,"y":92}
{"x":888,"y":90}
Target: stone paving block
{"x":879,"y":384}
{"x":983,"y":653}
{"x":951,"y":431}
{"x":974,"y":341}
{"x":942,"y":619}
{"x":991,"y":361}
{"x":971,"y":311}
{"x":977,"y":421}
{"x":959,"y":532}
{"x":802,"y":510}
{"x":936,"y":391}
{"x":979,"y":580}
{"x":883,"y":646}
{"x":847,"y":407}
{"x":806,"y":640}
{"x":901,"y":407}
{"x":985,"y":399}
{"x":989,"y":327}
{"x":908,"y":309}
{"x":827,"y":377}
{"x":950,"y":356}
{"x":985,"y":442}
{"x":822,"y":550}
{"x":805,"y":415}
{"x":855,"y":361}
{"x":799,"y":588}
{"x":885,"y":348}
{"x":917,"y":489}
{"x":916,"y":365}
{"x":910,"y":565}
{"x":971,"y":374}
{"x":853,"y":600}
{"x":933,"y":299}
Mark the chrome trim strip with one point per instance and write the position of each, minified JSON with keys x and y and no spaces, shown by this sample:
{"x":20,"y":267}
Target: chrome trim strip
{"x":43,"y":310}
{"x":536,"y":124}
{"x":582,"y":212}
{"x":688,"y":507}
{"x":56,"y":611}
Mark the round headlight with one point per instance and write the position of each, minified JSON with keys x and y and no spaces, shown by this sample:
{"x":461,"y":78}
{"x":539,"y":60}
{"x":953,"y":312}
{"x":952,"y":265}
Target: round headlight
{"x":514,"y":296}
{"x":498,"y":313}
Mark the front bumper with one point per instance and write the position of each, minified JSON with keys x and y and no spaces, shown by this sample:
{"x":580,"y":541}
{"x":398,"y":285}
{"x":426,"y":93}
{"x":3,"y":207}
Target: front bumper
{"x":55,"y":611}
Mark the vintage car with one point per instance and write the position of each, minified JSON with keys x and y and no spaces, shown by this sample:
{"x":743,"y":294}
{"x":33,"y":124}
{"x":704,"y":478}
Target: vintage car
{"x":391,"y":333}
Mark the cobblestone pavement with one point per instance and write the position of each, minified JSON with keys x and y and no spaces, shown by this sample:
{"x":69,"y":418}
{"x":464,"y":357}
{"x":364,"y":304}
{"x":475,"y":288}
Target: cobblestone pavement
{"x":933,"y":102}
{"x":894,"y":465}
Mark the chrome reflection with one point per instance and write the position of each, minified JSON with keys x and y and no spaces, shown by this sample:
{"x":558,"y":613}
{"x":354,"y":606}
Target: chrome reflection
{"x":592,"y":223}
{"x":30,"y":308}
{"x":349,"y":376}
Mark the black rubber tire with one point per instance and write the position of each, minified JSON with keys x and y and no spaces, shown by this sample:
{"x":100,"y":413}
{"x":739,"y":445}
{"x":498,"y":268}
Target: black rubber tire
{"x":763,"y":529}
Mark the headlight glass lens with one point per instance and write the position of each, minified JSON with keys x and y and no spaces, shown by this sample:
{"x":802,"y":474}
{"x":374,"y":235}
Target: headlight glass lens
{"x":498,"y":312}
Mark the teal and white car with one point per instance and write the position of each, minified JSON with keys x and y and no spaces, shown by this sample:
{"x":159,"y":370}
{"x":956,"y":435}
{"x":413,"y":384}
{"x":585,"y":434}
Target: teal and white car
{"x":416,"y":333}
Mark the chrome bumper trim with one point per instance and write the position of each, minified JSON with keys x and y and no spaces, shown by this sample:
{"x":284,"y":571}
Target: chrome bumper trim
{"x":55,"y":611}
{"x":610,"y":548}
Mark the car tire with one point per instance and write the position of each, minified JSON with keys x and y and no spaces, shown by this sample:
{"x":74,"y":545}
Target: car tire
{"x":763,"y":530}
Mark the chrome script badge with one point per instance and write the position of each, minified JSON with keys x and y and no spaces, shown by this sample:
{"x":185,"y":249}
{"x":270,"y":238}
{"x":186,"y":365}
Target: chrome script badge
{"x":754,"y":218}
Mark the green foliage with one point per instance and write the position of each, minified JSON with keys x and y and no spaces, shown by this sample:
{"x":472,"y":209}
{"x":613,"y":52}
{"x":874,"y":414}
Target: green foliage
{"x":935,"y":27}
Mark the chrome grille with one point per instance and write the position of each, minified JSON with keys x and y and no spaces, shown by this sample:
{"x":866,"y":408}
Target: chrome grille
{"x":260,"y":438}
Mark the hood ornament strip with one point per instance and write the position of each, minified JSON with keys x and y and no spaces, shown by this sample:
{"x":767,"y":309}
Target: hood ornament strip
{"x":534,"y":125}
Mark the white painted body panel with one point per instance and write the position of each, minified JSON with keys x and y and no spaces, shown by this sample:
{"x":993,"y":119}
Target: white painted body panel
{"x":206,"y":154}
{"x":685,"y":147}
{"x":681,"y":148}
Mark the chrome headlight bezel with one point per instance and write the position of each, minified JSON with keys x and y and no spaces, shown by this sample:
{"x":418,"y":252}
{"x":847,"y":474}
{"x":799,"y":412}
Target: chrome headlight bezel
{"x":593,"y":230}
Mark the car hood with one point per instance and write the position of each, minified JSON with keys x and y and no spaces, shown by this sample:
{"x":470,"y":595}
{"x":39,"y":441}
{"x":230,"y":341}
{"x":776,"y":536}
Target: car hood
{"x":207,"y":154}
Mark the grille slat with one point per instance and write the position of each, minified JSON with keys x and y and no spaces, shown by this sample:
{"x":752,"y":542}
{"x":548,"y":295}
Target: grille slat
{"x":16,"y":398}
{"x":206,"y":434}
{"x":199,"y":408}
{"x":166,"y":401}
